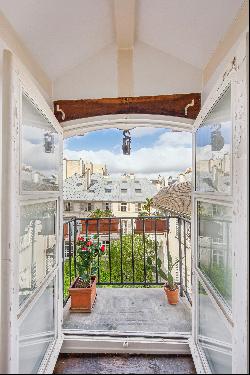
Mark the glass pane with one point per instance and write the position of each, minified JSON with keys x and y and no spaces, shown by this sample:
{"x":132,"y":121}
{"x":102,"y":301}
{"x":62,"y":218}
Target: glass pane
{"x":37,"y":332}
{"x":213,"y":149}
{"x":40,"y":151}
{"x":31,"y":356}
{"x":37,"y":255}
{"x":214,"y":336}
{"x":215,"y":246}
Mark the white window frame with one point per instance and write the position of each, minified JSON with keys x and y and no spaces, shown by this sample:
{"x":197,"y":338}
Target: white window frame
{"x":235,"y":318}
{"x":16,"y":83}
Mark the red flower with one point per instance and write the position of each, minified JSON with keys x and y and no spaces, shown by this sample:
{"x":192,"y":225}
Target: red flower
{"x":89,"y":243}
{"x":103,"y":248}
{"x":81,"y":239}
{"x":84,"y":249}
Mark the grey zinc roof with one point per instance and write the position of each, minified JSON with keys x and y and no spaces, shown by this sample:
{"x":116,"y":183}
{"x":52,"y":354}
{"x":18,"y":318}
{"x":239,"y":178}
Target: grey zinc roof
{"x":108,"y":189}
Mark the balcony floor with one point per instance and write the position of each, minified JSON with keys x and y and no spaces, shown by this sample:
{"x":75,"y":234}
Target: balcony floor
{"x":131,"y":310}
{"x":124,"y":364}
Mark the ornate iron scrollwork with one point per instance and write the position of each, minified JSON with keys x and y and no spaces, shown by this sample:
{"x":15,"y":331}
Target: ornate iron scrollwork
{"x":49,"y":143}
{"x":126,"y":145}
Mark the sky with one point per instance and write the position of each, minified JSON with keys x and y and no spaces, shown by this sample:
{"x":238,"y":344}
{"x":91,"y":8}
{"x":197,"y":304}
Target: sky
{"x":154,"y":151}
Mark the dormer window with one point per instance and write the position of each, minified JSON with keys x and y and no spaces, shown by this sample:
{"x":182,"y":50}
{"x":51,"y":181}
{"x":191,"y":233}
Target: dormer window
{"x":124,"y":191}
{"x":138,"y":191}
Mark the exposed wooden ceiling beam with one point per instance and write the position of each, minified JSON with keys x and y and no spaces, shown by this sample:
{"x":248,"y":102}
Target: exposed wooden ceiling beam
{"x":124,"y":19}
{"x":179,"y":105}
{"x":125,"y":72}
{"x":124,"y":14}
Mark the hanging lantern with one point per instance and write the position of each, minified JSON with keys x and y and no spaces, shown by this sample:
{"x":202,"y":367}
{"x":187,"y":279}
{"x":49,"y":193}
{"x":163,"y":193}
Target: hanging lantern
{"x":217,"y":140}
{"x":49,"y":144}
{"x":126,"y":145}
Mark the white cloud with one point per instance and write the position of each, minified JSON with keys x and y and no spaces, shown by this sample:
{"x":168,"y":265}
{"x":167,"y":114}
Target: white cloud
{"x":34,"y":155}
{"x":142,"y":132}
{"x":206,"y":153}
{"x":170,"y":155}
{"x":175,"y":139}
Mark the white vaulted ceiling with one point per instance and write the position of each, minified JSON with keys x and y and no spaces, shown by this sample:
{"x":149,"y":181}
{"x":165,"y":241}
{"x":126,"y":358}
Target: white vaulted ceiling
{"x":187,"y":29}
{"x":63,"y":34}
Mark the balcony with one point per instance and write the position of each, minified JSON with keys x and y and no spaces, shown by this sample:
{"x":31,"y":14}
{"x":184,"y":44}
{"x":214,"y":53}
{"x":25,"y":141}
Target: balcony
{"x":130,"y":298}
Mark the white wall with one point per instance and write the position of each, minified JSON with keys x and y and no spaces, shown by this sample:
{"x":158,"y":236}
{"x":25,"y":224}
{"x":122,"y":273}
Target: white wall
{"x":95,"y":78}
{"x":156,"y":73}
{"x":224,"y":64}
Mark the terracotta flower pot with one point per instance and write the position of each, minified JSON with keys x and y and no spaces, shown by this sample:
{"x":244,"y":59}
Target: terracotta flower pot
{"x":101,"y":226}
{"x":172,"y":295}
{"x":151,"y":225}
{"x":82,"y":299}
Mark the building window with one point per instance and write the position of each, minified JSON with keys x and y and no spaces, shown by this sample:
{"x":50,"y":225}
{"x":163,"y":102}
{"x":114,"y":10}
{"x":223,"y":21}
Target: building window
{"x":124,"y":190}
{"x":138,"y":207}
{"x":107,"y":207}
{"x":218,"y":257}
{"x":66,"y":250}
{"x":123,"y":207}
{"x":89,"y":207}
{"x":106,"y":244}
{"x":138,"y":190}
{"x":68,"y":206}
{"x":107,"y":190}
{"x":124,"y":227}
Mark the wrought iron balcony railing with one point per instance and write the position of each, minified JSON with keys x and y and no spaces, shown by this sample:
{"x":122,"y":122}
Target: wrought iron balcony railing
{"x":129,"y":242}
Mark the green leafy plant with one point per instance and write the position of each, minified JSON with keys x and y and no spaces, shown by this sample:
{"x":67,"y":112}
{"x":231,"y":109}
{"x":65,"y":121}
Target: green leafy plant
{"x":147,"y":209}
{"x":132,"y":253}
{"x":167,"y":276}
{"x":142,"y":214}
{"x":148,"y":205}
{"x":220,"y":277}
{"x":68,"y":275}
{"x":88,"y":250}
{"x":100,"y":214}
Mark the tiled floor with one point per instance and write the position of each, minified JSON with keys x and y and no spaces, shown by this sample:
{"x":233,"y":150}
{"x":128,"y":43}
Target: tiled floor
{"x":124,"y":364}
{"x":131,"y":310}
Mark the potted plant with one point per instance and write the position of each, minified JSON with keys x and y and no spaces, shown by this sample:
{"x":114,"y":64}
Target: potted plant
{"x":83,"y":289}
{"x":170,"y":287}
{"x":149,"y":222}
